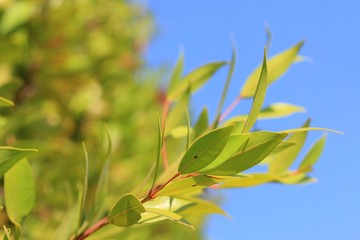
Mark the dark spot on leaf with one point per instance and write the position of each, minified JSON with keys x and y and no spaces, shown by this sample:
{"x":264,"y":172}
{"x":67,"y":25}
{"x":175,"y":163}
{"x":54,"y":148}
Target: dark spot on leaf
{"x":196,"y":156}
{"x":194,"y":185}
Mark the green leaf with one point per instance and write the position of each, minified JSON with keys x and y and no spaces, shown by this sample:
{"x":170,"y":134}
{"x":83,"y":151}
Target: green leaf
{"x":306,"y":129}
{"x":127,"y":211}
{"x":259,"y":145}
{"x":258,"y":98}
{"x":83,"y":188}
{"x":5,"y":102}
{"x":19,"y":191}
{"x":282,"y":146}
{"x":176,"y":73}
{"x":249,"y":181}
{"x":179,"y":132}
{"x":291,"y":178}
{"x":284,"y":159}
{"x":277,"y":66}
{"x":195,"y":79}
{"x":7,"y":231}
{"x":188,"y":185}
{"x":201,"y":124}
{"x":9,"y":156}
{"x":276,"y":110}
{"x":15,"y":15}
{"x":176,"y":114}
{"x":312,"y":156}
{"x":233,"y":145}
{"x":226,"y":87}
{"x":204,"y":150}
{"x":171,"y":216}
{"x":160,"y":143}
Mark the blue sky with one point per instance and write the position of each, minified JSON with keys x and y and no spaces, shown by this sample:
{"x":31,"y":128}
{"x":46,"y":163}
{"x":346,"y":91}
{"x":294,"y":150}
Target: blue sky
{"x":327,"y":86}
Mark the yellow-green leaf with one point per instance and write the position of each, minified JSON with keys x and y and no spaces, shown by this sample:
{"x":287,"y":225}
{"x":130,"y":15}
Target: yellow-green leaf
{"x":204,"y":150}
{"x":195,"y":79}
{"x":176,"y":73}
{"x":201,"y":124}
{"x":177,"y":113}
{"x":9,"y":156}
{"x":291,"y":178}
{"x":5,"y":102}
{"x":284,"y":159}
{"x":19,"y":191}
{"x":277,"y":66}
{"x":259,"y":97}
{"x":170,"y":215}
{"x":127,"y":211}
{"x":259,"y":145}
{"x":249,"y":181}
{"x":312,"y":156}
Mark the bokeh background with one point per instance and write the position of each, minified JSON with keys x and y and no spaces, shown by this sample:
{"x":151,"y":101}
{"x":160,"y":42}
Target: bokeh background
{"x":327,"y":84}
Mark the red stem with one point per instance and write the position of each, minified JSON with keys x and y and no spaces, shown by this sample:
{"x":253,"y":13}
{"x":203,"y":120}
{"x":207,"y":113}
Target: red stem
{"x":97,"y":226}
{"x":230,"y":108}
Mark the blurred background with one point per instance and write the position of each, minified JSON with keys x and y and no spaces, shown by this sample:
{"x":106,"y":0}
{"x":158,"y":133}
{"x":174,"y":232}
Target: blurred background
{"x":327,"y":85}
{"x":72,"y":66}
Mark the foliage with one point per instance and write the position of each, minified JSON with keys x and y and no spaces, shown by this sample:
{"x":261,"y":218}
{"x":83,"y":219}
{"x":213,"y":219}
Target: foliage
{"x":68,"y":78}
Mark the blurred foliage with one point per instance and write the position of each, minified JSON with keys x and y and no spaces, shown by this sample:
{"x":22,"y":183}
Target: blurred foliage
{"x":70,"y":66}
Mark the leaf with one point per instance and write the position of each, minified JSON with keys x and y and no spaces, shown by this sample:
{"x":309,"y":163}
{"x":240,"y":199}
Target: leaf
{"x":235,"y":142}
{"x":200,"y":207}
{"x":126,"y":212}
{"x":15,"y":15}
{"x":188,"y":130}
{"x":282,"y":146}
{"x":284,"y":159}
{"x":195,"y":79}
{"x":258,"y":98}
{"x":277,"y":66}
{"x":19,"y":191}
{"x":176,"y":114}
{"x":180,"y":132}
{"x":83,"y":188}
{"x":306,"y":129}
{"x":227,"y":85}
{"x":201,"y":124}
{"x":249,"y":181}
{"x":291,"y":178}
{"x":9,"y":156}
{"x":170,"y":215}
{"x":102,"y":184}
{"x":204,"y":150}
{"x":276,"y":110}
{"x":312,"y":156}
{"x":259,"y":145}
{"x":7,"y":231}
{"x":176,"y":73}
{"x":188,"y":185}
{"x":160,"y":143}
{"x":5,"y":102}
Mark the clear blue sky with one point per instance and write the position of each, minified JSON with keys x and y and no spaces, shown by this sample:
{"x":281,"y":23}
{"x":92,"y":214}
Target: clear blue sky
{"x":328,"y":87}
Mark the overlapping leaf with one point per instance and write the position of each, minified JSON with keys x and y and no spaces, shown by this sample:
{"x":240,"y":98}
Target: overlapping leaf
{"x":9,"y":156}
{"x":312,"y":156}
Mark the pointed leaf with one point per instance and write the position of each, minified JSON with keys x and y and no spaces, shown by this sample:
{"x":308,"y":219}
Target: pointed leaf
{"x":282,"y":146}
{"x":259,"y":145}
{"x":176,"y":73}
{"x":277,"y":66}
{"x":176,"y":114}
{"x":201,"y":124}
{"x":9,"y":156}
{"x":312,"y":156}
{"x":306,"y":129}
{"x":127,"y":211}
{"x":250,"y":181}
{"x":171,"y":216}
{"x":284,"y":159}
{"x":195,"y":79}
{"x":5,"y":102}
{"x":258,"y":98}
{"x":204,"y":150}
{"x":188,"y":185}
{"x":160,"y":143}
{"x":19,"y":191}
{"x":291,"y":178}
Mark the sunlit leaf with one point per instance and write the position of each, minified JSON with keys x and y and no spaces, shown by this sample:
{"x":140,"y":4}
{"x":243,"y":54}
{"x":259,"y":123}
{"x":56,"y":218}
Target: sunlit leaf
{"x":188,"y":185}
{"x":234,"y":143}
{"x":275,"y":110}
{"x":307,"y":129}
{"x":227,"y":85}
{"x":312,"y":156}
{"x":259,"y":97}
{"x":177,"y":113}
{"x":7,"y":232}
{"x":15,"y":15}
{"x":176,"y":73}
{"x":284,"y":159}
{"x":259,"y":145}
{"x":19,"y":191}
{"x":282,"y":146}
{"x":200,"y":207}
{"x":204,"y":150}
{"x":276,"y":66}
{"x":160,"y":142}
{"x":201,"y":124}
{"x":292,"y":178}
{"x":170,"y":215}
{"x":250,"y":181}
{"x":5,"y":102}
{"x":180,"y":132}
{"x":195,"y":79}
{"x":126,"y":212}
{"x":9,"y":156}
{"x":83,"y":188}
